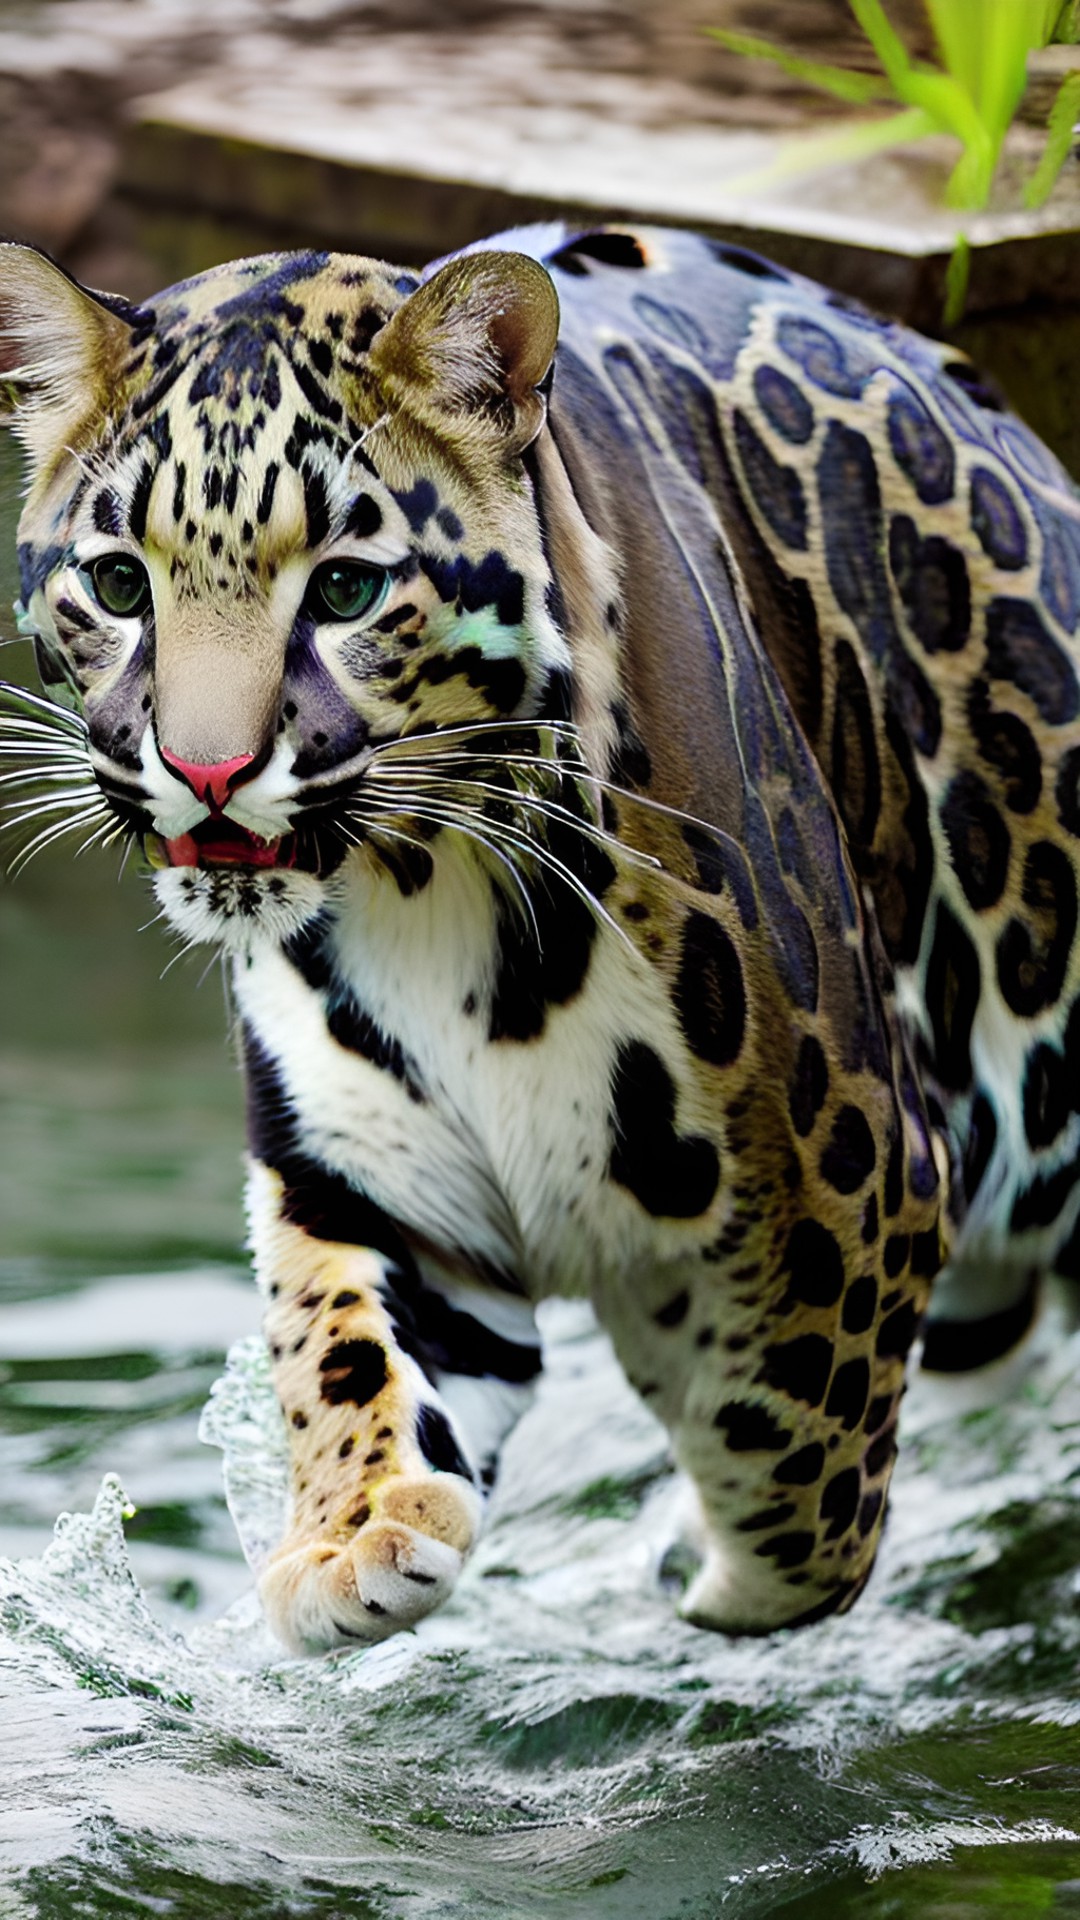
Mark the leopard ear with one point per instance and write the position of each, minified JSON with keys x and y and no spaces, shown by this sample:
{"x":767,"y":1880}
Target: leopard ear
{"x":474,"y":344}
{"x":61,"y":348}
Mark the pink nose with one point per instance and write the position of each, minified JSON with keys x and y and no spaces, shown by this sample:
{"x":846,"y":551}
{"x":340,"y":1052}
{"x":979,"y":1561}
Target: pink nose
{"x":211,"y":784}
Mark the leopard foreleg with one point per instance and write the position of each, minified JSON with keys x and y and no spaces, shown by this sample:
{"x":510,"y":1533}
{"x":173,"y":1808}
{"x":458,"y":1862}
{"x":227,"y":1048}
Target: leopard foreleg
{"x":387,"y":1471}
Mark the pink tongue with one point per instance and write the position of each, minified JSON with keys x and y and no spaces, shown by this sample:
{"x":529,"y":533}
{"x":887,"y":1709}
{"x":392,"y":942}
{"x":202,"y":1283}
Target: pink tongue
{"x":182,"y":851}
{"x":254,"y":853}
{"x":229,"y":851}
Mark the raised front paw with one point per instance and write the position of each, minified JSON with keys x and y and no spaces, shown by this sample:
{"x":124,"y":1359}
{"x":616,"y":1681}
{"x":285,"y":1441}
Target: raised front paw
{"x":391,"y":1567}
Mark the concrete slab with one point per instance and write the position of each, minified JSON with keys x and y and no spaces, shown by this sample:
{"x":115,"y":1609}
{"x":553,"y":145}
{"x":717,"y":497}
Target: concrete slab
{"x":409,"y":127}
{"x":410,"y":144}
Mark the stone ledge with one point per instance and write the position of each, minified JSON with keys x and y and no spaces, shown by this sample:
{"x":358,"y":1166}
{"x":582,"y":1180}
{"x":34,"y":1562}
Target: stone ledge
{"x":411,"y":145}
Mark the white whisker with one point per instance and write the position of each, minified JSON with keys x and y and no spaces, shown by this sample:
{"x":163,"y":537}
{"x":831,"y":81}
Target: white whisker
{"x":549,"y":809}
{"x":53,"y":775}
{"x":361,"y":840}
{"x":53,"y":803}
{"x":428,"y":746}
{"x":188,"y":947}
{"x":208,"y":969}
{"x":120,"y":828}
{"x":102,"y":836}
{"x":452,"y":815}
{"x":392,"y":833}
{"x":62,"y":718}
{"x":375,"y":427}
{"x":41,"y":740}
{"x":625,"y":794}
{"x":543,"y":855}
{"x":32,"y":733}
{"x":493,"y":729}
{"x":469,"y":833}
{"x":55,"y":831}
{"x":39,"y":777}
{"x":59,"y":754}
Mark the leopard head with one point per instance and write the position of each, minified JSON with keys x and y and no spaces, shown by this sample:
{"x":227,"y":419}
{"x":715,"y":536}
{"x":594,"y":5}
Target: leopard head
{"x":277,"y":519}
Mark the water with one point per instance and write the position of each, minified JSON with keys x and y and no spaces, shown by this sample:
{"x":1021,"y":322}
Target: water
{"x":555,"y":1741}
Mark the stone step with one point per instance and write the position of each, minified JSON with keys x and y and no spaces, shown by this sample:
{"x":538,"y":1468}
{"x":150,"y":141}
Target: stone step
{"x":411,"y":144}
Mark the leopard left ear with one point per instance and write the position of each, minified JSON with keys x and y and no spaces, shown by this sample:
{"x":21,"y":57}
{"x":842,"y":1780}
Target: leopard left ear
{"x":474,"y":344}
{"x":61,"y":348}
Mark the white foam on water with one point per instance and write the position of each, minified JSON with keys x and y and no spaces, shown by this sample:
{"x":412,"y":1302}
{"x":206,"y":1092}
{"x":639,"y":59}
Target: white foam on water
{"x":556,"y":1732}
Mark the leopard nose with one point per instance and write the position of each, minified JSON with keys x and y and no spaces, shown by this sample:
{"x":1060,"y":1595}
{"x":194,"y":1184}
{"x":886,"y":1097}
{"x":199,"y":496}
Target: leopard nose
{"x":212,"y":784}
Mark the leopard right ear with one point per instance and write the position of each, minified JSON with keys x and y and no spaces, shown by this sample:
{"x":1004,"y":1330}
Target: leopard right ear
{"x":480,"y":332}
{"x":61,"y":349}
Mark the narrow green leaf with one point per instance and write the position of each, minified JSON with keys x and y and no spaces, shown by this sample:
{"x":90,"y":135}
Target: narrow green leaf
{"x":955,"y":42}
{"x":985,"y":44}
{"x":835,"y":146}
{"x":956,"y":281}
{"x":1011,"y":29}
{"x":1064,"y":27}
{"x":883,"y":37}
{"x":1059,"y":139}
{"x":858,"y":88}
{"x":972,"y":96}
{"x":946,"y":101}
{"x":969,"y":183}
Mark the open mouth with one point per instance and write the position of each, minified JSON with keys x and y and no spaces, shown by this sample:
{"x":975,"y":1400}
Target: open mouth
{"x":217,"y":842}
{"x":221,"y":843}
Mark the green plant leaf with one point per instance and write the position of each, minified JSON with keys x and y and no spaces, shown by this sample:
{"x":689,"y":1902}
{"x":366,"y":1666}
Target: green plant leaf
{"x":946,"y":101}
{"x":1066,"y":22}
{"x":956,"y":281}
{"x":956,"y":45}
{"x":834,"y":146}
{"x":884,"y":39}
{"x":1059,"y":139}
{"x":984,"y":44}
{"x":947,"y":97}
{"x":1014,"y":33}
{"x":971,"y":96}
{"x":858,"y":88}
{"x":968,"y":185}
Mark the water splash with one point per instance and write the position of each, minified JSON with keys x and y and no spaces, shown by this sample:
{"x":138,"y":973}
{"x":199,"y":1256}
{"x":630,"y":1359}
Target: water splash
{"x":556,"y":1737}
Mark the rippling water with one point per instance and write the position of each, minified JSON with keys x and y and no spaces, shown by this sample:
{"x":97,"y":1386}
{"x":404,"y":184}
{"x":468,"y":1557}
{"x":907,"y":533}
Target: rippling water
{"x":555,"y":1741}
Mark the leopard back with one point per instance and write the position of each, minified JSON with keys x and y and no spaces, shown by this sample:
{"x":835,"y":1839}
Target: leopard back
{"x":911,"y":555}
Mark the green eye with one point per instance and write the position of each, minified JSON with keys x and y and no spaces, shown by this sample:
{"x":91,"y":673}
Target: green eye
{"x":119,"y":584}
{"x":345,"y":589}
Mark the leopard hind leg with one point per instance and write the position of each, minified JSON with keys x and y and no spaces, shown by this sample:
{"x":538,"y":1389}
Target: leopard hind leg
{"x":780,"y":1377}
{"x":1015,"y":1214}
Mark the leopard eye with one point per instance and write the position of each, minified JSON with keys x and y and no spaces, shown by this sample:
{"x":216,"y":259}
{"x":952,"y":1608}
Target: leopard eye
{"x":120,"y":585}
{"x":345,"y":589}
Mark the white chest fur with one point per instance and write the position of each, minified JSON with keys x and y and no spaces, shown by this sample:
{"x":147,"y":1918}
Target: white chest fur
{"x":505,"y":1155}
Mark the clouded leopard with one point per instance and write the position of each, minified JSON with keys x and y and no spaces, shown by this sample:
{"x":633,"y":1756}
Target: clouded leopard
{"x":617,"y":704}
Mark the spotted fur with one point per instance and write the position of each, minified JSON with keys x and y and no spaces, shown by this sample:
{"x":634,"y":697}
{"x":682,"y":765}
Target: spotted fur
{"x":667,"y":892}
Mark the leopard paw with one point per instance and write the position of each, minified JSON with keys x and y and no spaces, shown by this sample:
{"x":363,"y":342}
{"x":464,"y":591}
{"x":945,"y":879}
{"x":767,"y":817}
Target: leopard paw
{"x":395,"y":1566}
{"x":730,"y":1596}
